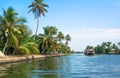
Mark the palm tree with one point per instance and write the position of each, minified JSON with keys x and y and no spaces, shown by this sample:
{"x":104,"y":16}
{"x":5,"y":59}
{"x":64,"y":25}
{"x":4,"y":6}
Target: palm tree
{"x":14,"y":29}
{"x":2,"y":34}
{"x":50,"y":30}
{"x":24,"y":37}
{"x":47,"y":44}
{"x":47,"y":41}
{"x":114,"y":48}
{"x":108,"y":44}
{"x":60,"y":36}
{"x":38,"y":8}
{"x":8,"y":21}
{"x":68,"y":38}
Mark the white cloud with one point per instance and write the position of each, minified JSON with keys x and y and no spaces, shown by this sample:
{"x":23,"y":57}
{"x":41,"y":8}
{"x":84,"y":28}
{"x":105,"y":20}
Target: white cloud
{"x":93,"y":36}
{"x":96,"y":34}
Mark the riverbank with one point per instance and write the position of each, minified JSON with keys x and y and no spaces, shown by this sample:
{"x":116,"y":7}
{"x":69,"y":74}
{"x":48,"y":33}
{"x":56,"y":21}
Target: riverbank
{"x":19,"y":58}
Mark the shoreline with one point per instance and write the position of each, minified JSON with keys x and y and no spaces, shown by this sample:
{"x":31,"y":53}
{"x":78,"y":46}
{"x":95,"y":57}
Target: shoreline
{"x":20,"y":58}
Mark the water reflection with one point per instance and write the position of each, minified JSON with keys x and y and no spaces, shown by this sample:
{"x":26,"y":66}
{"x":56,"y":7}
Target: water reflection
{"x":71,"y":66}
{"x":45,"y":68}
{"x":52,"y":68}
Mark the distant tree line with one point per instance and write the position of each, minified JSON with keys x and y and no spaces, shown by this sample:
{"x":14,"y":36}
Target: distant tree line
{"x":106,"y":48}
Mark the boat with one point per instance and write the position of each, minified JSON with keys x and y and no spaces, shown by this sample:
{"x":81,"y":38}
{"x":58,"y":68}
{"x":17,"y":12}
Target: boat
{"x":89,"y":52}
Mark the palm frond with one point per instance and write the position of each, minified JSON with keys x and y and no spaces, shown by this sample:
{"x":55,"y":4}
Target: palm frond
{"x":16,"y":30}
{"x":13,"y":40}
{"x":33,"y":47}
{"x":23,"y":50}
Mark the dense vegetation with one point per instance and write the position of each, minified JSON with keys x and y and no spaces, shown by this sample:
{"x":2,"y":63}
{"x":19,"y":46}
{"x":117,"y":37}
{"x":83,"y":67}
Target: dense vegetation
{"x":106,"y":48}
{"x":17,"y":38}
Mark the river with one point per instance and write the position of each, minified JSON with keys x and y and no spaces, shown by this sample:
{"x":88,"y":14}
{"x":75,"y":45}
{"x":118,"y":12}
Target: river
{"x":70,"y":66}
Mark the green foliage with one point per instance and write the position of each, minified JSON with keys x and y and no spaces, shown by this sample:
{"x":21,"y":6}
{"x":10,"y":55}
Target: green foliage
{"x":32,"y":47}
{"x":23,"y":50}
{"x":89,"y":47}
{"x":16,"y":38}
{"x":28,"y":48}
{"x":67,"y":38}
{"x":38,"y":8}
{"x":48,"y":41}
{"x":60,"y":36}
{"x":62,"y":48}
{"x":50,"y":30}
{"x":14,"y":32}
{"x":8,"y":22}
{"x":106,"y":48}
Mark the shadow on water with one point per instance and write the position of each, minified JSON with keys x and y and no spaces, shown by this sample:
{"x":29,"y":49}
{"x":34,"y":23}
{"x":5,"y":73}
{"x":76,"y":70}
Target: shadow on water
{"x":71,"y":66}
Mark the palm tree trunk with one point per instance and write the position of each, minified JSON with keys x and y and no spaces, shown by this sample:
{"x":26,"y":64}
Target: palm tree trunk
{"x":66,"y":43}
{"x":43,"y":51}
{"x":14,"y":50}
{"x":36,"y":29}
{"x":5,"y":46}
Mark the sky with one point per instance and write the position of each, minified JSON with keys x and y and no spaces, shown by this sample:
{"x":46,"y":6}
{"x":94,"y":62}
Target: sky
{"x":88,"y":22}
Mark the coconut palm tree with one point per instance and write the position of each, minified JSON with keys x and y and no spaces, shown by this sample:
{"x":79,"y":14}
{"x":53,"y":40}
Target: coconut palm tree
{"x":47,"y":41}
{"x":50,"y":31}
{"x":67,"y":38}
{"x":38,"y":8}
{"x":60,"y":36}
{"x":108,"y":44}
{"x":2,"y":34}
{"x":25,"y":31}
{"x":14,"y":29}
{"x":47,"y":44}
{"x":8,"y":22}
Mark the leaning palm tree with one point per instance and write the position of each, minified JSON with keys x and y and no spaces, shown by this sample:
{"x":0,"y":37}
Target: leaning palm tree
{"x":14,"y":29}
{"x":68,"y":38}
{"x":2,"y":34}
{"x":8,"y":22}
{"x":38,"y":8}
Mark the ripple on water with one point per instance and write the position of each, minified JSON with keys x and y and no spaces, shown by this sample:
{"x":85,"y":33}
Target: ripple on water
{"x":72,"y":66}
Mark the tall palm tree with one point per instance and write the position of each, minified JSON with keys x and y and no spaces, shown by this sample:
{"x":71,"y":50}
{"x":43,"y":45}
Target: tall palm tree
{"x":68,"y":38}
{"x":38,"y":8}
{"x":60,"y":36}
